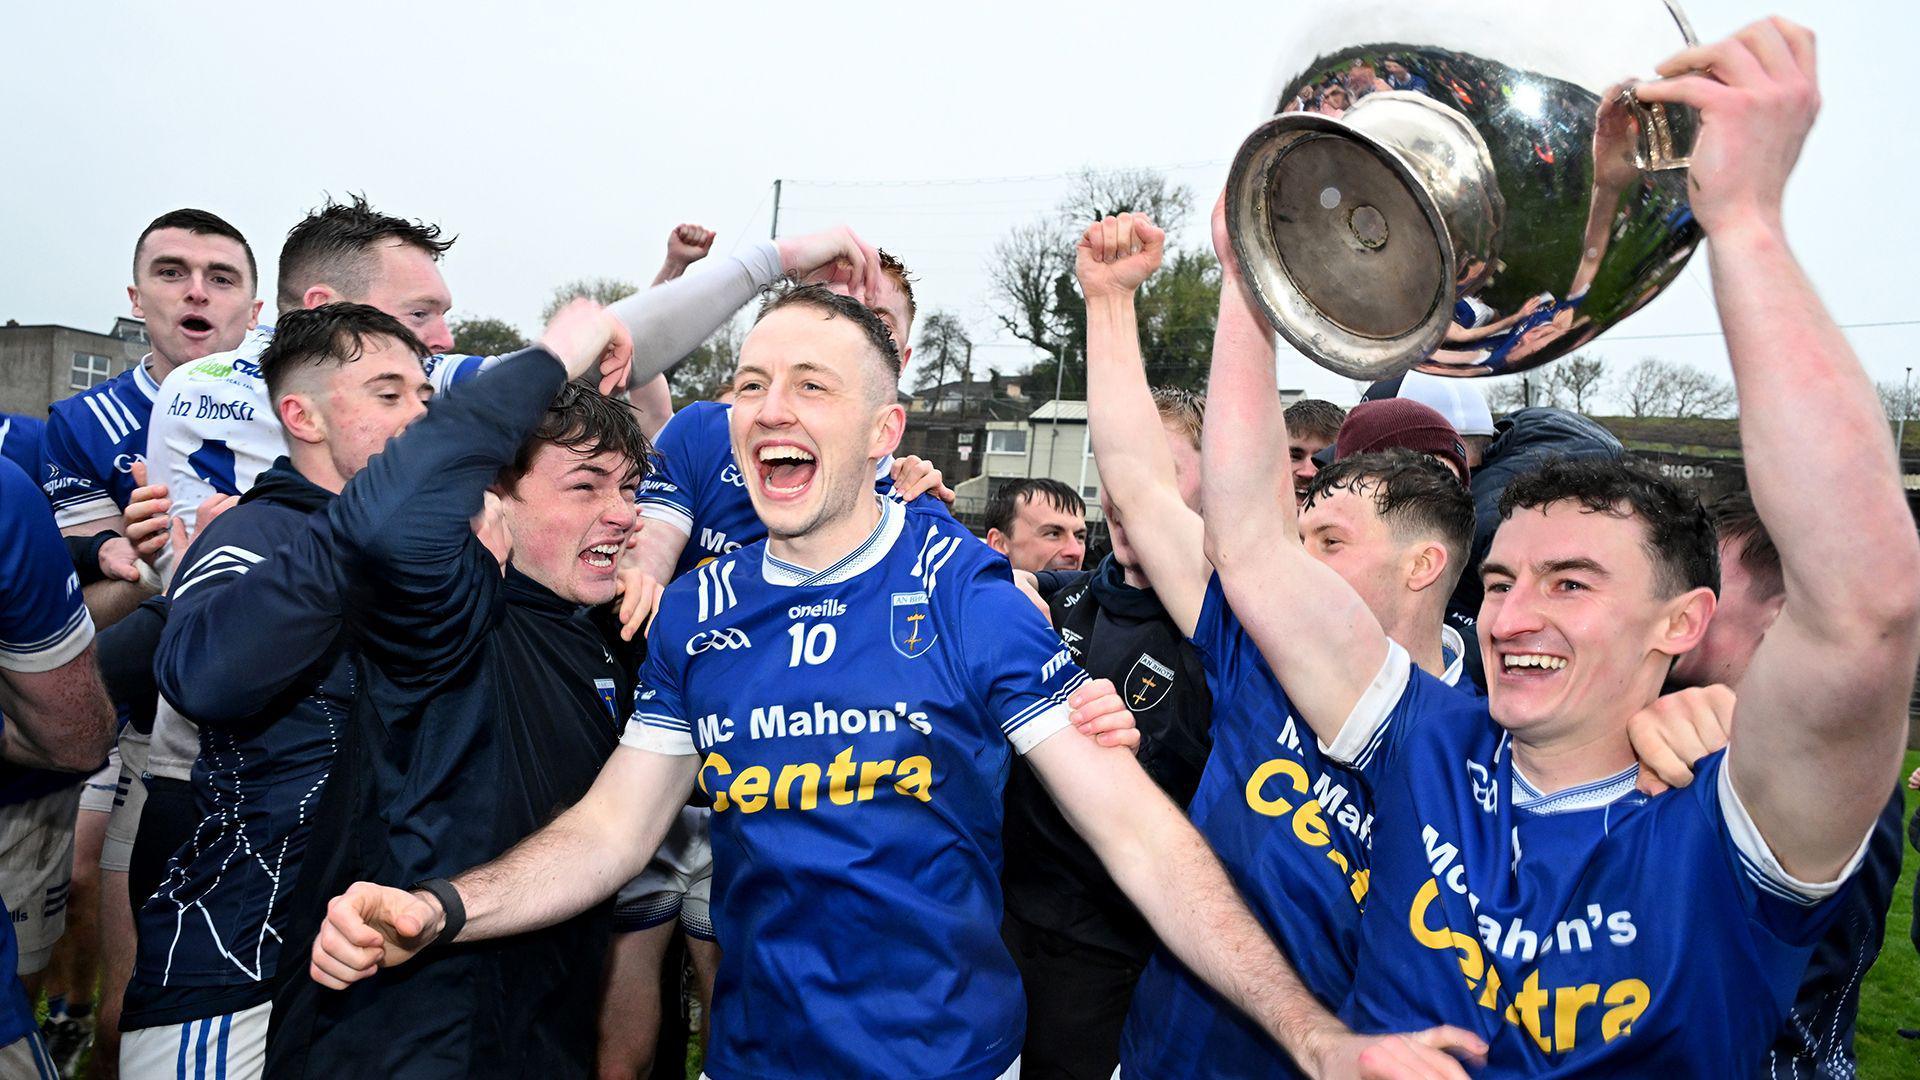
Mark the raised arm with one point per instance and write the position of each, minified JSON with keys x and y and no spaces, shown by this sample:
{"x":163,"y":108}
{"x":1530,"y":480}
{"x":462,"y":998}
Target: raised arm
{"x":1129,"y":442}
{"x":1822,"y":709}
{"x":1322,"y":642}
{"x":579,"y":860}
{"x":412,"y":570}
{"x":672,"y":319}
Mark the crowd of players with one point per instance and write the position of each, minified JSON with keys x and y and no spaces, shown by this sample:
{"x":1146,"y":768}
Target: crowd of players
{"x":441,"y":695}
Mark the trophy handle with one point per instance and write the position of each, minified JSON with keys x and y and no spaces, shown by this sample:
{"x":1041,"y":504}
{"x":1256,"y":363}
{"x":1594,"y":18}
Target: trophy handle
{"x":1666,"y":134}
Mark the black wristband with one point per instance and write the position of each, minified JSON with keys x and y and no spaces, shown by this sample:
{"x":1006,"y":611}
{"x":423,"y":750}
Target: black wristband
{"x":456,"y":912}
{"x":84,"y":552}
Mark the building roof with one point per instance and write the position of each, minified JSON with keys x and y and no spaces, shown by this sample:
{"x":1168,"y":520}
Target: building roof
{"x":1066,"y":412}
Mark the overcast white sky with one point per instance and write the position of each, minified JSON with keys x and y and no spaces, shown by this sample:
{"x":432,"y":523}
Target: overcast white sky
{"x":566,"y":140}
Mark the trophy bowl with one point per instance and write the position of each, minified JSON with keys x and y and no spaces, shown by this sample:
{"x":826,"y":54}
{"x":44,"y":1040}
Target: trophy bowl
{"x":1469,"y":187}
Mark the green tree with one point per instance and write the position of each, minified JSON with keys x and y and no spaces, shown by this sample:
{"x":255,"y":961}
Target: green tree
{"x":477,"y":336}
{"x":599,"y":290}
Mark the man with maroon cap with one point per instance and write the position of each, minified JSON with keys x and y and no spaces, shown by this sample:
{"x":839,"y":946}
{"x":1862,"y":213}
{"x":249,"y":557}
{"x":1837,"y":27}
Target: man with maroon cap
{"x":1391,"y":422}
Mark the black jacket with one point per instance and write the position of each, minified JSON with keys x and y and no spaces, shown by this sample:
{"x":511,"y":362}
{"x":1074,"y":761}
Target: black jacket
{"x":252,"y":653}
{"x":488,"y":706}
{"x":1052,"y":879}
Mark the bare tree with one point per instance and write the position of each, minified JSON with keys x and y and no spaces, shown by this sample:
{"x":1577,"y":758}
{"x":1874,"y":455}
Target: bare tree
{"x":1508,"y":394}
{"x":943,"y":350}
{"x":1900,"y":399}
{"x":598,"y":290}
{"x":1575,"y":382}
{"x":1663,"y":388}
{"x":1097,"y":193}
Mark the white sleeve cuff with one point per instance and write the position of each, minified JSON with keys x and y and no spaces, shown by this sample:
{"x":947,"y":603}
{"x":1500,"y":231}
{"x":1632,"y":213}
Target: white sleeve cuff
{"x":96,"y":507}
{"x":1039,"y":728}
{"x":668,"y":514}
{"x":659,"y":734}
{"x":1360,"y":736}
{"x":762,"y":262}
{"x":51,"y":652}
{"x":1760,"y":864}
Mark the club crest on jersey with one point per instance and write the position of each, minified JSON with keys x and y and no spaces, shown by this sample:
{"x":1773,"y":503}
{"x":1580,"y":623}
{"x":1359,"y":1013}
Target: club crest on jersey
{"x":911,"y":628}
{"x":1148,"y":681}
{"x":605,"y":687}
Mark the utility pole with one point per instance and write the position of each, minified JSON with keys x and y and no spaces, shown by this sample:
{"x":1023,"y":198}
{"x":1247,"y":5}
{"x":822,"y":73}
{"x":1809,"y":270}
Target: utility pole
{"x":1900,"y":433}
{"x":776,"y":211}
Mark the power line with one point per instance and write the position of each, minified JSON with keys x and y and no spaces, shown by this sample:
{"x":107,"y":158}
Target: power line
{"x":1723,"y":333}
{"x":969,"y":181}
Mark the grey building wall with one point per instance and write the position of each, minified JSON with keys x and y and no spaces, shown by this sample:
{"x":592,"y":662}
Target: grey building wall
{"x":36,"y":363}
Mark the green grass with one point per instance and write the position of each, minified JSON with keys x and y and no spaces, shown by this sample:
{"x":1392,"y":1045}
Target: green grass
{"x":1890,"y":996}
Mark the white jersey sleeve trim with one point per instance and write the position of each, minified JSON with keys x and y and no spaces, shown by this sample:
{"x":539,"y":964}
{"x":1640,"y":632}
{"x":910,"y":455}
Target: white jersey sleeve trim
{"x":51,"y":652}
{"x":1360,"y":736}
{"x":1758,"y":861}
{"x":94,"y":507}
{"x":1039,"y":728}
{"x":659,"y":734}
{"x":667,"y":514}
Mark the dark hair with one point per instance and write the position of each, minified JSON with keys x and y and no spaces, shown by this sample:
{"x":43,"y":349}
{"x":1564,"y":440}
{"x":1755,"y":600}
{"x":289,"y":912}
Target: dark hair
{"x":584,"y":420}
{"x":327,"y":335}
{"x":333,"y":246}
{"x":1737,"y":523}
{"x":199,"y":223}
{"x":1414,"y":493}
{"x":1679,"y":535}
{"x":1182,"y":409}
{"x":835,"y":305}
{"x":891,"y":266}
{"x":1312,"y":416}
{"x":1006,"y":502}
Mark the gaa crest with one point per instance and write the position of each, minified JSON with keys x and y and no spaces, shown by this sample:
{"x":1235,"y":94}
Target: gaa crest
{"x":910,"y":624}
{"x":1147,"y":683}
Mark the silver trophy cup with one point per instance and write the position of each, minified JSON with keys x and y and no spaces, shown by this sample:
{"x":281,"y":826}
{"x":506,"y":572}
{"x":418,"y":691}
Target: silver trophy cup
{"x":1465,"y":186}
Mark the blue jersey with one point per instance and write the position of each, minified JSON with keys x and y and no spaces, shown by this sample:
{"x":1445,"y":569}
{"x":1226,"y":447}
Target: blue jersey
{"x":43,"y":625}
{"x":93,"y":439}
{"x":697,"y":487}
{"x":1591,"y":930}
{"x":23,"y":441}
{"x":855,"y":727}
{"x":1292,"y":829}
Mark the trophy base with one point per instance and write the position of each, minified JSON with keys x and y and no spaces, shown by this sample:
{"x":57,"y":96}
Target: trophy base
{"x":1364,"y":228}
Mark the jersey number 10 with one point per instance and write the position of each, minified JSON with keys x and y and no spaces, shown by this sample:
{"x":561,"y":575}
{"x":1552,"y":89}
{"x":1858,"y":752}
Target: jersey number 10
{"x":811,"y":644}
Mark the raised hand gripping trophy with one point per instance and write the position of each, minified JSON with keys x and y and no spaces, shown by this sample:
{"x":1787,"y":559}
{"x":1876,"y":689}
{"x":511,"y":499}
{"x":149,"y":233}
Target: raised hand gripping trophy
{"x":1465,"y":186}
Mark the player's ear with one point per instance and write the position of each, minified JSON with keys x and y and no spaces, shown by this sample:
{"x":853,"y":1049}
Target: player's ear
{"x":253,"y":317}
{"x":888,"y":425}
{"x":1427,"y":565}
{"x":997,"y":540}
{"x":300,"y":418}
{"x":318,"y":296}
{"x":1684,"y":621}
{"x":133,"y":297}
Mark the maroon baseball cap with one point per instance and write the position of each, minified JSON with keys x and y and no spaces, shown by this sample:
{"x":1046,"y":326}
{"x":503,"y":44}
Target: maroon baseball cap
{"x":1389,"y":422}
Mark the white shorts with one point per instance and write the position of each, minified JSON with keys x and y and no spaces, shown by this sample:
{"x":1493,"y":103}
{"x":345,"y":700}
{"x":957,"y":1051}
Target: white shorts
{"x":26,"y":1057}
{"x":36,"y":868}
{"x":130,"y":797}
{"x":678,"y":883}
{"x":233,"y":1045}
{"x":103,"y":787}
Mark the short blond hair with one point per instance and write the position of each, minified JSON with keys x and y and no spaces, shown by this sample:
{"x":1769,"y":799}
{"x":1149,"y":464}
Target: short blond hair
{"x":1182,"y":410}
